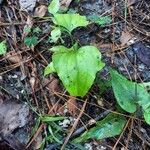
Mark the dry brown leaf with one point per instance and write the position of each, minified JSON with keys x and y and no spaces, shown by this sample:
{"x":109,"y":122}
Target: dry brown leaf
{"x":13,"y":57}
{"x":72,"y":106}
{"x":125,"y":38}
{"x":33,"y":76}
{"x":65,"y":4}
{"x":37,"y":142}
{"x":52,"y":85}
{"x":40,"y":11}
{"x":104,"y":47}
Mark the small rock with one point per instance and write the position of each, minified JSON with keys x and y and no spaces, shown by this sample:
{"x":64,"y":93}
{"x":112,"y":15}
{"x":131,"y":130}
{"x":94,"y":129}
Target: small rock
{"x":27,"y":5}
{"x":88,"y":146}
{"x":12,"y":116}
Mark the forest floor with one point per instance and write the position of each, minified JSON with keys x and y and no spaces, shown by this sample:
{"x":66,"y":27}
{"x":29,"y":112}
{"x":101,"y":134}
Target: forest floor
{"x":26,"y":92}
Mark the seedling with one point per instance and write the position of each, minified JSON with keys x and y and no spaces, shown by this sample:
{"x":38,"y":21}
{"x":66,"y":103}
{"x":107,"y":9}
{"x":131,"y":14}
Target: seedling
{"x":3,"y":47}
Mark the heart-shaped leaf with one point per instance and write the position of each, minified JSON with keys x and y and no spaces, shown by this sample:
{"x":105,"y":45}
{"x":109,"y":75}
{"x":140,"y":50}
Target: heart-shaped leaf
{"x":124,"y":91}
{"x":110,"y":126}
{"x":77,"y":68}
{"x":70,"y":21}
{"x":130,"y":94}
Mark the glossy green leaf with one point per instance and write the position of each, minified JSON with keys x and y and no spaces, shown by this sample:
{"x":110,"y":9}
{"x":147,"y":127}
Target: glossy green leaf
{"x":55,"y":34}
{"x":51,"y":118}
{"x":124,"y":91}
{"x":49,"y":69}
{"x":3,"y":48}
{"x":54,"y":6}
{"x":110,"y":126}
{"x":31,"y":41}
{"x":70,"y":21}
{"x":129,"y":94}
{"x":77,"y":68}
{"x":147,"y":115}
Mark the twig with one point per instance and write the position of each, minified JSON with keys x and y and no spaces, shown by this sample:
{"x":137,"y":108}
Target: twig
{"x":114,"y":148}
{"x":74,"y":126}
{"x":83,"y":128}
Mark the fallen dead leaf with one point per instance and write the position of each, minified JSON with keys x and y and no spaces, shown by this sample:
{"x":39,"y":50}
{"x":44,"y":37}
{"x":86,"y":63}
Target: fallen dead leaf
{"x":125,"y":38}
{"x":52,"y":85}
{"x":72,"y":106}
{"x":104,"y":47}
{"x":13,"y":57}
{"x":37,"y":142}
{"x":40,"y":11}
{"x":65,"y":4}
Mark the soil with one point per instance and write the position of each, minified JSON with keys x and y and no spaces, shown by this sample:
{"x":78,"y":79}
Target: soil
{"x":21,"y":70}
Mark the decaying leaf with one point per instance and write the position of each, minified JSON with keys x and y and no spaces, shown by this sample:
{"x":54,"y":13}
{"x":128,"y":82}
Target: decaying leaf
{"x":40,"y":11}
{"x":72,"y":106}
{"x":125,"y":38}
{"x":65,"y":4}
{"x":52,"y":85}
{"x":13,"y":57}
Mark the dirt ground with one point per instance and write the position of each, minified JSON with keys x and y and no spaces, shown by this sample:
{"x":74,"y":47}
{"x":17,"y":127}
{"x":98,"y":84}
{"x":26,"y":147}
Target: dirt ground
{"x":25,"y":92}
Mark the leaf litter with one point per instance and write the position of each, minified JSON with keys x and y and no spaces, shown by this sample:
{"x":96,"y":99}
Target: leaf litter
{"x":54,"y":91}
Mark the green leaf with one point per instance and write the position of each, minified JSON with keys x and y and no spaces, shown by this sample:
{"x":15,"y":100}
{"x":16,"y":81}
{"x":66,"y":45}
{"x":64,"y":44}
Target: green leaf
{"x":70,"y":21}
{"x":124,"y":91}
{"x":27,"y":29}
{"x":129,"y":94}
{"x":55,"y":34}
{"x":100,"y":20}
{"x":37,"y":30}
{"x":51,"y":118}
{"x":31,"y":41}
{"x":52,"y":134}
{"x":147,"y":115}
{"x":49,"y":69}
{"x":3,"y":47}
{"x":110,"y":126}
{"x":54,"y":7}
{"x":77,"y":68}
